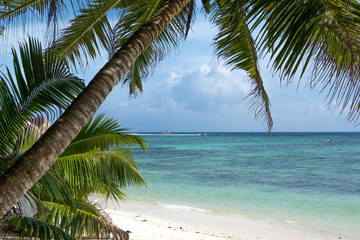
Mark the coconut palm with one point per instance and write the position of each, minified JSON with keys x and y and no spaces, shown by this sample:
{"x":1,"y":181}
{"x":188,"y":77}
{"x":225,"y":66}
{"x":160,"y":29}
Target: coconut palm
{"x":98,"y":161}
{"x":319,"y":36}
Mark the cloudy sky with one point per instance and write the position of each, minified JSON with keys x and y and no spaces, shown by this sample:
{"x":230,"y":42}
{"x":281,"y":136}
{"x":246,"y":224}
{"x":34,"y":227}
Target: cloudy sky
{"x":192,"y":91}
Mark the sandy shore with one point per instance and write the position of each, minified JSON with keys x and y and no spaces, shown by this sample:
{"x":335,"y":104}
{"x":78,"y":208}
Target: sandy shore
{"x":150,"y":221}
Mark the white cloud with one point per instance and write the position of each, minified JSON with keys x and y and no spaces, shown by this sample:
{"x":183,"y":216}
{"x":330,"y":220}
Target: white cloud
{"x":173,"y":80}
{"x":209,"y":87}
{"x":123,"y":104}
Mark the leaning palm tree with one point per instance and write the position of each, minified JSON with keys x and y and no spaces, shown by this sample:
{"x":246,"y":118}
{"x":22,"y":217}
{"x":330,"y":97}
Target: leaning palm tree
{"x":300,"y":36}
{"x":98,"y":161}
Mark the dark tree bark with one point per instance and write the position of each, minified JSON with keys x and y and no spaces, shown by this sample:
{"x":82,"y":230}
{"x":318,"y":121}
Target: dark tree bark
{"x":37,"y":160}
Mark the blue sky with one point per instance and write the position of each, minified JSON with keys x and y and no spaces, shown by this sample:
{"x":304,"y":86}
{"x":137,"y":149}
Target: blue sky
{"x":192,"y":91}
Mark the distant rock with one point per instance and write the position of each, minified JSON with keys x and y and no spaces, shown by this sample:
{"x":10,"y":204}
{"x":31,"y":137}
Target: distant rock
{"x":41,"y":123}
{"x":165,"y":132}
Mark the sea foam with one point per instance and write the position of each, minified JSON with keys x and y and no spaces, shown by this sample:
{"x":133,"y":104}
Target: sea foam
{"x":182,"y":208}
{"x":170,"y":134}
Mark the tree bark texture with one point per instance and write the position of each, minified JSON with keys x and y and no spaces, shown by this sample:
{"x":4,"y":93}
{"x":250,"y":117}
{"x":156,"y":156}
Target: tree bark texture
{"x":39,"y":158}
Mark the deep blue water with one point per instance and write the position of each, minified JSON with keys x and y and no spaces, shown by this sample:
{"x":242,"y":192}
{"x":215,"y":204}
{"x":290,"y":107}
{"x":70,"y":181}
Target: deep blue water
{"x":292,"y":177}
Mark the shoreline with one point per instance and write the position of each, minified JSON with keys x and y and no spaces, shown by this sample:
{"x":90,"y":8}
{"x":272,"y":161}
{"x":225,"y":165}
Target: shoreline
{"x":150,"y":221}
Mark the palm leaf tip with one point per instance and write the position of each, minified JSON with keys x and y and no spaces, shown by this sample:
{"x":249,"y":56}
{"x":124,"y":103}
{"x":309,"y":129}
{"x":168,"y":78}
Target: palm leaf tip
{"x":190,"y":16}
{"x":260,"y":103}
{"x":235,"y":45}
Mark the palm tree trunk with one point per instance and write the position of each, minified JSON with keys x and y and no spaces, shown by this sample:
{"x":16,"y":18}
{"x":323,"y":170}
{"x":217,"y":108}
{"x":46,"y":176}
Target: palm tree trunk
{"x":37,"y":160}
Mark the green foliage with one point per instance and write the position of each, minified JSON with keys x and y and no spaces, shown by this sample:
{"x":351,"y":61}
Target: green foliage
{"x":104,"y":132}
{"x":86,"y":220}
{"x":99,"y":160}
{"x":38,"y":229}
{"x":41,"y":84}
{"x":318,"y":37}
{"x":53,"y":186}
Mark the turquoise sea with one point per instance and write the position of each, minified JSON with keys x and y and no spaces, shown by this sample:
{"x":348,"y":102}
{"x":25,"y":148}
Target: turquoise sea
{"x":289,"y":177}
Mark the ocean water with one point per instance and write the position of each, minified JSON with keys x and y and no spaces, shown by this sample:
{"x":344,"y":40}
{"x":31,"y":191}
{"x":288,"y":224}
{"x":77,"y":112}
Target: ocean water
{"x":289,"y":177}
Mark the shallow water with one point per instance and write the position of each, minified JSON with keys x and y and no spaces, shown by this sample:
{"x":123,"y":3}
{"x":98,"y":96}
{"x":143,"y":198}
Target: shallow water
{"x":289,"y":177}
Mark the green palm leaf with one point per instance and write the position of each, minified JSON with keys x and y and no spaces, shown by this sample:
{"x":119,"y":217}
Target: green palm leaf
{"x":10,"y":9}
{"x":98,"y":171}
{"x":53,"y":186}
{"x":30,"y":227}
{"x":42,"y":84}
{"x":103,"y":133}
{"x":89,"y":30}
{"x":236,"y":46}
{"x":64,"y":222}
{"x":320,"y":37}
{"x":100,"y":159}
{"x":87,"y":220}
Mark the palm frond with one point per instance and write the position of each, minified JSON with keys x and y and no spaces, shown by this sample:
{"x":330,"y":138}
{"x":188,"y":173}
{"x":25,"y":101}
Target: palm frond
{"x":25,"y":12}
{"x":41,"y":84}
{"x":53,"y":186}
{"x":87,"y":220}
{"x":10,"y":9}
{"x":8,"y":108}
{"x":190,"y":16}
{"x":88,"y":31}
{"x":105,"y":134}
{"x":320,"y":37}
{"x":97,"y":169}
{"x":236,"y":46}
{"x":31,"y":227}
{"x":91,"y":30}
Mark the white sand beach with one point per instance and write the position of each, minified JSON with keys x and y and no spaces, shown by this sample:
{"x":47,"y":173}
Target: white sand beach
{"x":150,"y":221}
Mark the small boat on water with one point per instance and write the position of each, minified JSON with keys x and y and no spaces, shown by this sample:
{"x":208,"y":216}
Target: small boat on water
{"x":329,"y":141}
{"x":165,"y":132}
